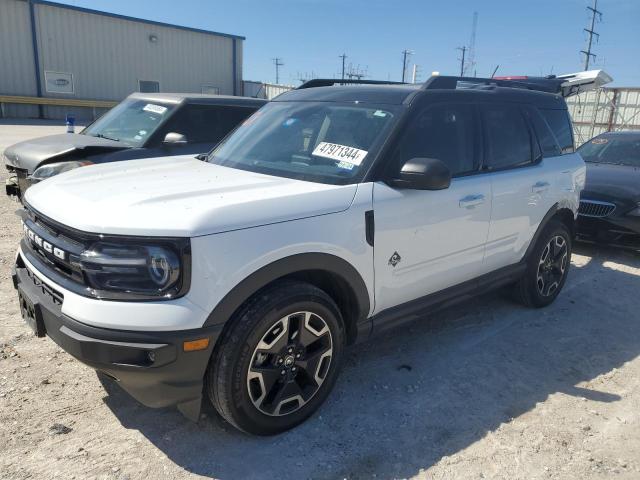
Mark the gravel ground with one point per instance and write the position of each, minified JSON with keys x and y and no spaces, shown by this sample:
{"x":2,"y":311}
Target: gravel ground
{"x":487,"y":389}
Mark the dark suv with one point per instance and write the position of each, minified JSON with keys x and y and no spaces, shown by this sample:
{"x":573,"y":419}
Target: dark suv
{"x":143,"y":125}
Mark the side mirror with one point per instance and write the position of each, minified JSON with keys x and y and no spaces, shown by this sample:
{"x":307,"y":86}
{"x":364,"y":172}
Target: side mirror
{"x":423,"y":174}
{"x":174,"y":138}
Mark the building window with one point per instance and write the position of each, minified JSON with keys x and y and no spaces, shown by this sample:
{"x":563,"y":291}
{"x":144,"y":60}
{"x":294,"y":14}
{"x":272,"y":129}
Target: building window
{"x":148,"y":86}
{"x":210,"y":90}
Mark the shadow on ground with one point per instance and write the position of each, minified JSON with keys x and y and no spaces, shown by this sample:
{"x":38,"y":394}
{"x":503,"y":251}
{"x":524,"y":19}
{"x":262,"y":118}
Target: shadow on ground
{"x":405,"y":401}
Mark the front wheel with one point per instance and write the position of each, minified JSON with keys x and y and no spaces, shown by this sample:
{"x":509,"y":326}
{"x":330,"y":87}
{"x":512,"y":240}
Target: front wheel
{"x":547,"y":267}
{"x":278,"y":360}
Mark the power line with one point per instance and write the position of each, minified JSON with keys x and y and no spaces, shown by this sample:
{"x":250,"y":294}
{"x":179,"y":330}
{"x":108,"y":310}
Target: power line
{"x":587,"y":53}
{"x":405,"y":56}
{"x":278,"y":63}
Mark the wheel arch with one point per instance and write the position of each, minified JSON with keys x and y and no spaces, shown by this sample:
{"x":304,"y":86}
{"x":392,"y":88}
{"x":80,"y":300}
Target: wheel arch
{"x":558,"y":212}
{"x":338,"y":278}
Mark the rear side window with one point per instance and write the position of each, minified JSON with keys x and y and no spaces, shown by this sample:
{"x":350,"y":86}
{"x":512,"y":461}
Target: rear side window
{"x":547,"y":140}
{"x":445,"y":132}
{"x":206,"y":123}
{"x":508,"y":141}
{"x":560,"y":125}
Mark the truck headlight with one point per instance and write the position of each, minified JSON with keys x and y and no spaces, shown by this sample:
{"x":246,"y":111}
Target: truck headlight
{"x":52,"y":169}
{"x":134,"y":270}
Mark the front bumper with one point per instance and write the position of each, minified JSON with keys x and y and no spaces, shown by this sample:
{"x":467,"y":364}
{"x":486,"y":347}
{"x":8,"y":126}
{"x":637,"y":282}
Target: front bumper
{"x":151,"y":366}
{"x":621,"y":231}
{"x":11,"y":187}
{"x":17,"y":183}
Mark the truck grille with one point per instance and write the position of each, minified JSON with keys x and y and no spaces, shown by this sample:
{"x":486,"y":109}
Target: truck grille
{"x":594,"y":208}
{"x":57,"y":248}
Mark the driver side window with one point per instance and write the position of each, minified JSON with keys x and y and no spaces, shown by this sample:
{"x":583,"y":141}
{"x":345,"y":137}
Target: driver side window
{"x":445,"y":132}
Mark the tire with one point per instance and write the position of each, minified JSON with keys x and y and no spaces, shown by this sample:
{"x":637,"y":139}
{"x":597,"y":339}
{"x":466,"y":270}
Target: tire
{"x":547,"y":267}
{"x":300,"y":332}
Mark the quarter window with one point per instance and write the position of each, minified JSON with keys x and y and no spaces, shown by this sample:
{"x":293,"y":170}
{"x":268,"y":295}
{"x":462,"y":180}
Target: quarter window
{"x":560,"y":124}
{"x":508,"y":141}
{"x":445,"y":132}
{"x":546,"y":138}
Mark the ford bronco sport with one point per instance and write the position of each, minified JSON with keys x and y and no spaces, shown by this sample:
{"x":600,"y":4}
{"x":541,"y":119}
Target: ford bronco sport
{"x":332,"y":213}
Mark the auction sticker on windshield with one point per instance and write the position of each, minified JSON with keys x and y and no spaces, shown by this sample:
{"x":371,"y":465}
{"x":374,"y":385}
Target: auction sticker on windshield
{"x":150,"y":107}
{"x":340,"y":153}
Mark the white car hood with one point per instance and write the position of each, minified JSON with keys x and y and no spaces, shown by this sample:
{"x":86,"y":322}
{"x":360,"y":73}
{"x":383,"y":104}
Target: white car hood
{"x":179,"y":196}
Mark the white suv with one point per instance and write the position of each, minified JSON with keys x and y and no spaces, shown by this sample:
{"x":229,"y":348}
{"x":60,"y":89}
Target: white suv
{"x":332,"y":213}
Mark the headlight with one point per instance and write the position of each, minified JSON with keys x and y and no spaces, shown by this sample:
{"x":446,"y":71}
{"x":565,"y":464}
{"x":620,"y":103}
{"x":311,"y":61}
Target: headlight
{"x":52,"y":169}
{"x":136,"y":270}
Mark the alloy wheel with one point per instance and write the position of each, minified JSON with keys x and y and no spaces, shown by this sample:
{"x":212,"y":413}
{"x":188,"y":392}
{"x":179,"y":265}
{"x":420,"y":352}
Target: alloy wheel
{"x":290,"y":363}
{"x":552,"y":266}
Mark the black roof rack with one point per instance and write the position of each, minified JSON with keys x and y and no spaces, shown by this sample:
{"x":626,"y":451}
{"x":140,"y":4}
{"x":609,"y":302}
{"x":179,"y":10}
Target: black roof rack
{"x":542,"y":84}
{"x":328,"y":82}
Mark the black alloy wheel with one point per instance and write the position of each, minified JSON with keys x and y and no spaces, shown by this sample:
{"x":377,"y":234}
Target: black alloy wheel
{"x":552,"y":266}
{"x":290,"y":363}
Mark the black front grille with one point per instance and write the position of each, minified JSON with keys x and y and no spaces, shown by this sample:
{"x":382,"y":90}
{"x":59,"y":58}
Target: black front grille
{"x":52,"y":293}
{"x":56,"y":247}
{"x":594,"y":208}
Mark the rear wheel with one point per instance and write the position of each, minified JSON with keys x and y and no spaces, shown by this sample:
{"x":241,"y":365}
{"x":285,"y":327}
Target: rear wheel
{"x":279,"y":359}
{"x":547,"y":267}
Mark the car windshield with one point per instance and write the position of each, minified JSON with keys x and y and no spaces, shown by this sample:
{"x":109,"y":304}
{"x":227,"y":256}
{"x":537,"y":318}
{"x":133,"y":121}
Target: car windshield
{"x":617,"y":150}
{"x":131,"y":122}
{"x":314,"y":141}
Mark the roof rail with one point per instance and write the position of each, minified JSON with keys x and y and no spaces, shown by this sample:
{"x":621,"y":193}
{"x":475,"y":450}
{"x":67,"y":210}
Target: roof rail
{"x":328,"y":82}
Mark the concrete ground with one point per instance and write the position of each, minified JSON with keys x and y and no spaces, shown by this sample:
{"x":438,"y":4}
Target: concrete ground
{"x":487,"y":389}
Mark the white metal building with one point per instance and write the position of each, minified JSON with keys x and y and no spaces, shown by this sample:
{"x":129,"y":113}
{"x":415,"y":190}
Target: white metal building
{"x":264,"y":90}
{"x":53,"y":50}
{"x":604,"y":110}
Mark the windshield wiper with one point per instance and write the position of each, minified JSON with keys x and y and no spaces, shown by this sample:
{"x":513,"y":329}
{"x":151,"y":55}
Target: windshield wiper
{"x":100,"y":135}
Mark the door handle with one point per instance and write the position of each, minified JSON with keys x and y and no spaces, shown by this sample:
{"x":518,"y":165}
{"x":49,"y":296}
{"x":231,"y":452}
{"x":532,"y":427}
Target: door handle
{"x":471,"y":201}
{"x":540,"y":187}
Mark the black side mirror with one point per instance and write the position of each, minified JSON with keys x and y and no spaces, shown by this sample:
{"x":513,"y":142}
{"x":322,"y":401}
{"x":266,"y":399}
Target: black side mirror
{"x":423,"y":174}
{"x":174,"y":138}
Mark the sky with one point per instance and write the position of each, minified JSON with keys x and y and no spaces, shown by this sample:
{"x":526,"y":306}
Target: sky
{"x":535,"y":37}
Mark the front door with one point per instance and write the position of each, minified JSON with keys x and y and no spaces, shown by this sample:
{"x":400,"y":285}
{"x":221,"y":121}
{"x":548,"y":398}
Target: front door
{"x":426,"y":241}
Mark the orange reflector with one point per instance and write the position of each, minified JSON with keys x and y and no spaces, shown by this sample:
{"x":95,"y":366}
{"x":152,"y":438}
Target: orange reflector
{"x":195,"y":345}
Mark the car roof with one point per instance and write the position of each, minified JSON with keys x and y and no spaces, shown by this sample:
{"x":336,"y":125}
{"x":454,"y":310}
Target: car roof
{"x":199,"y":98}
{"x":621,"y":133}
{"x":405,"y":94}
{"x":387,"y":94}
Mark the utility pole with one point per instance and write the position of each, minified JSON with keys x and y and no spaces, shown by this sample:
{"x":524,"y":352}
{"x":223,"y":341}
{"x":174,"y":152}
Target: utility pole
{"x":587,"y":53}
{"x":471,"y":57}
{"x":405,"y":56}
{"x":463,"y":50}
{"x":278,"y":63}
{"x":343,"y":57}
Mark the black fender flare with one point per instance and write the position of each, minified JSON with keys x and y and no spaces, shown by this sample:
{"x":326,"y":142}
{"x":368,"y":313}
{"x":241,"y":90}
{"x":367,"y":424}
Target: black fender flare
{"x":553,"y":211}
{"x":298,"y":263}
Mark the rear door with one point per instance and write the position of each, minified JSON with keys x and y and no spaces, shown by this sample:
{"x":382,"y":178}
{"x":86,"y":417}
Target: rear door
{"x":524,"y":182}
{"x":426,"y":241}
